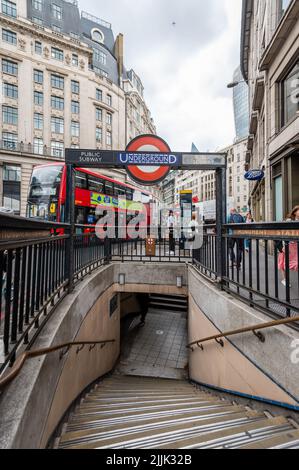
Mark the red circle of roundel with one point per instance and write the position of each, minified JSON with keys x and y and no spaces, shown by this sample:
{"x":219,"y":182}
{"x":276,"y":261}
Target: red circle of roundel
{"x":143,"y":174}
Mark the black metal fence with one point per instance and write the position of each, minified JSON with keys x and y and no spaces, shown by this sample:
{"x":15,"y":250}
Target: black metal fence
{"x":259,"y":264}
{"x":41,"y":262}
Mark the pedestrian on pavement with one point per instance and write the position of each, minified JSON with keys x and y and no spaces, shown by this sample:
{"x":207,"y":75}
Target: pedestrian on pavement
{"x":170,"y":226}
{"x":249,"y":220}
{"x":143,"y":300}
{"x":293,"y":250}
{"x":192,"y":231}
{"x":236,"y":218}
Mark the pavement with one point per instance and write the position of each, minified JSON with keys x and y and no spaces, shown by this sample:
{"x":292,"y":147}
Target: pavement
{"x":157,"y":349}
{"x":280,"y":294}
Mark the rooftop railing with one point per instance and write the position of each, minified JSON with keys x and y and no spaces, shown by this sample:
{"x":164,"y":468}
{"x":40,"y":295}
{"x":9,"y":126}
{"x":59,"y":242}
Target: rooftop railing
{"x":95,"y":19}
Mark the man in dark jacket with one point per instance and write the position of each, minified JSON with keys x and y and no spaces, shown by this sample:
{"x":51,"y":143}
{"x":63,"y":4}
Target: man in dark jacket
{"x":236,"y":218}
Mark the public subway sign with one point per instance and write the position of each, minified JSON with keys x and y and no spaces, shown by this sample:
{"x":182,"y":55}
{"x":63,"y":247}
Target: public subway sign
{"x":147,"y":159}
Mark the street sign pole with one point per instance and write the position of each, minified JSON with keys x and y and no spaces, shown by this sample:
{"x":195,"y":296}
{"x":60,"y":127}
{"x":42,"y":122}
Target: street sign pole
{"x":220,"y":221}
{"x":70,"y":218}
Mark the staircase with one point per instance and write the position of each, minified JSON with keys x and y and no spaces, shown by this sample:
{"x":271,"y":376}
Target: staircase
{"x":173,"y":303}
{"x":149,"y":413}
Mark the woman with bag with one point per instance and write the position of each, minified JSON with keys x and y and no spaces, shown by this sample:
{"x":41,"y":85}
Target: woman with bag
{"x":293,"y":250}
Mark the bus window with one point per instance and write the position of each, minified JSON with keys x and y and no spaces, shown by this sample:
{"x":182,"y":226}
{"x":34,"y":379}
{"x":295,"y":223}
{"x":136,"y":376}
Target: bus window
{"x":129,"y":194}
{"x":81,"y":180}
{"x":80,"y":215}
{"x":109,"y":188}
{"x":119,"y":190}
{"x":95,"y":184}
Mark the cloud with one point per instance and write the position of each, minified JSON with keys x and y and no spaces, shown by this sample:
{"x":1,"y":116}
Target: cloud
{"x":184,"y":67}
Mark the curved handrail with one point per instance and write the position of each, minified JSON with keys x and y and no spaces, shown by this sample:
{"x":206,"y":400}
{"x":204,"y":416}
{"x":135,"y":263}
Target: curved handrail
{"x":254,"y":329}
{"x":41,"y":352}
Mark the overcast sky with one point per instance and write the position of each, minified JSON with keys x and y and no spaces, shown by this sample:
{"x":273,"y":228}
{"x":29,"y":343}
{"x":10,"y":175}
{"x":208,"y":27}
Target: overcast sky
{"x":184,"y":67}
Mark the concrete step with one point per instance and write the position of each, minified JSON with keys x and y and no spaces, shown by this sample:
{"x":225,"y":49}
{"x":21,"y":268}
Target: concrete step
{"x":106,"y":410}
{"x":96,"y":427}
{"x":146,"y":413}
{"x":225,"y":437}
{"x":121,"y":436}
{"x":285,"y":440}
{"x":86,"y":422}
{"x":208,"y":409}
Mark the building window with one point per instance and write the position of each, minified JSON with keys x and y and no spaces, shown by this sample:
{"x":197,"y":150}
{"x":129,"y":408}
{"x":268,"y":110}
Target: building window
{"x":9,"y":67}
{"x":109,"y":100}
{"x":9,"y":36}
{"x":9,"y":8}
{"x":38,"y":98}
{"x":38,"y":47}
{"x":57,"y":12}
{"x":10,"y":140}
{"x":97,"y":36}
{"x":75,"y":60}
{"x":57,"y":149}
{"x":99,"y":114}
{"x":98,"y":134}
{"x":57,"y":82}
{"x":37,"y":5}
{"x":75,"y":36}
{"x":99,"y":95}
{"x":109,"y":119}
{"x":10,"y":91}
{"x":38,"y":77}
{"x":75,"y":87}
{"x":109,"y":138}
{"x":99,"y":71}
{"x":75,"y":129}
{"x":10,"y":115}
{"x":290,"y":95}
{"x":57,"y":54}
{"x":12,"y":187}
{"x":75,"y":107}
{"x":57,"y":125}
{"x":38,"y":146}
{"x":100,"y":56}
{"x":38,"y":21}
{"x":11,"y":173}
{"x":57,"y":103}
{"x":38,"y":121}
{"x":283,"y":6}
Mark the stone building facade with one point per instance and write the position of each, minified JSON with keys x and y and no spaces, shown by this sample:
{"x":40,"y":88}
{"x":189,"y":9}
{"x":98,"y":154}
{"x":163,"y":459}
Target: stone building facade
{"x":64,"y":84}
{"x":269,"y":63}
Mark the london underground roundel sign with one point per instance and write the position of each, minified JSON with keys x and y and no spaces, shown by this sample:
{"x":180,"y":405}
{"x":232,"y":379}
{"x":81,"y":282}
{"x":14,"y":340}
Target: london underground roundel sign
{"x":148,"y":174}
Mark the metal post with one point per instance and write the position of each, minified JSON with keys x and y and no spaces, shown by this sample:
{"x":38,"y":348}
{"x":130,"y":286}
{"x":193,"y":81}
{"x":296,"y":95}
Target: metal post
{"x":70,"y":218}
{"x":220,"y":221}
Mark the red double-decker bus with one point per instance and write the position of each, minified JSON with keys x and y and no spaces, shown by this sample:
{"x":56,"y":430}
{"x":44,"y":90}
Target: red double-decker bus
{"x":47,"y":196}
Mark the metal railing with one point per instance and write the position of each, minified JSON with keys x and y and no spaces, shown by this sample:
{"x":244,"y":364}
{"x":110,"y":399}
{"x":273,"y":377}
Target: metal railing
{"x":42,"y":352}
{"x":34,"y":279}
{"x":21,"y":147}
{"x":258,"y":263}
{"x":40,"y":264}
{"x":255,"y":329}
